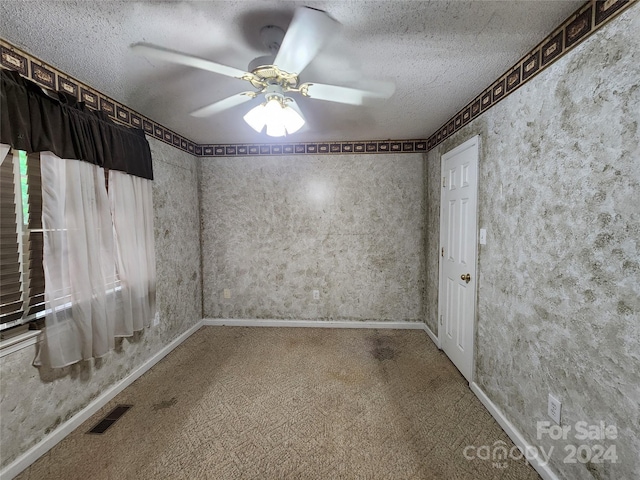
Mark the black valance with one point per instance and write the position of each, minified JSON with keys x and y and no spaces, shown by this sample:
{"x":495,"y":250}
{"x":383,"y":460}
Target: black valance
{"x":35,"y":122}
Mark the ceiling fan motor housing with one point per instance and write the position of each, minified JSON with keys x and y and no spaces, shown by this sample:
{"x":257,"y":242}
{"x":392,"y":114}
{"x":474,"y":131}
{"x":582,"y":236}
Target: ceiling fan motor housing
{"x":271,"y":75}
{"x":263,"y":61}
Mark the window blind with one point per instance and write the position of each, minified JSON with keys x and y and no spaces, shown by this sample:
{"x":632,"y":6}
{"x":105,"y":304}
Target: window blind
{"x":11,"y":301}
{"x":21,"y":240}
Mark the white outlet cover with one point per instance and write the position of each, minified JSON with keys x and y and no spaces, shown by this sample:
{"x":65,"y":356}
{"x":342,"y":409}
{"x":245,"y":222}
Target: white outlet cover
{"x":554,"y":409}
{"x":483,"y":236}
{"x":316,"y":294}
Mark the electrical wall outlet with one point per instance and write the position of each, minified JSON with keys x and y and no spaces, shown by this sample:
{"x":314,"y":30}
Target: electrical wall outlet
{"x":156,"y":319}
{"x":554,"y":408}
{"x":226,"y":293}
{"x":316,"y":294}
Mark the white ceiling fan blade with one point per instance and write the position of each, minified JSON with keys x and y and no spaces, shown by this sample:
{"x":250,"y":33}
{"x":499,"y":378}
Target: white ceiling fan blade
{"x":334,"y":93}
{"x":229,"y":102}
{"x":307,"y":33}
{"x":172,"y":56}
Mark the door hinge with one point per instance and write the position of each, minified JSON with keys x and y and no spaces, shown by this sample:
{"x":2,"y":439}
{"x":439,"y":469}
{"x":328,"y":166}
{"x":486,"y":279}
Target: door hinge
{"x":442,"y":254}
{"x":444,"y":182}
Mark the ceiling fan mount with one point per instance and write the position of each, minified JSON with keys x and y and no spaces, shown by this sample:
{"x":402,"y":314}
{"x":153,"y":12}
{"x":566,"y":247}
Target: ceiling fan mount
{"x":277,"y":74}
{"x":271,"y":37}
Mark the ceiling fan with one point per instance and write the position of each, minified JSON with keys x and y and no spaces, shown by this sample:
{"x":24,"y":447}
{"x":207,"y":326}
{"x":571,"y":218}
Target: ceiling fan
{"x":276,"y":75}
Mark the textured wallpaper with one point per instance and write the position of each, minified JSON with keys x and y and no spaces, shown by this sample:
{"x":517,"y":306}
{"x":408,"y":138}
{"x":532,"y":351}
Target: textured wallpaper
{"x":36,"y":401}
{"x":177,"y":230}
{"x":349,"y":226}
{"x":559,"y":278}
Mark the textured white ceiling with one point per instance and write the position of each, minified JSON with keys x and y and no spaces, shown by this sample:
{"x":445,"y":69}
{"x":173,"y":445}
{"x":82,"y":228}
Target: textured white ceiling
{"x":439,"y":53}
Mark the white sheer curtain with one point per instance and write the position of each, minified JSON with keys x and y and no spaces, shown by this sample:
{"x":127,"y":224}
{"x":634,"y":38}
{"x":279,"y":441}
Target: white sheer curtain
{"x":78,"y":262}
{"x":132,"y":212}
{"x":99,"y":259}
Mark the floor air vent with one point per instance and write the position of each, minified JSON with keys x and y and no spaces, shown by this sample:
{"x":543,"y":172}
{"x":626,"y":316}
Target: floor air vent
{"x":110,"y":419}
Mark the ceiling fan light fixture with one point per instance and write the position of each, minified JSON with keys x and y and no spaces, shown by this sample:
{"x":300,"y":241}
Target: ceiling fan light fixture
{"x":279,"y":118}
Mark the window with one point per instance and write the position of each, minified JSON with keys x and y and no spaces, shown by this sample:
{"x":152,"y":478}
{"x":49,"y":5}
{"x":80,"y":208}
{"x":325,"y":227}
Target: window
{"x":21,"y":243}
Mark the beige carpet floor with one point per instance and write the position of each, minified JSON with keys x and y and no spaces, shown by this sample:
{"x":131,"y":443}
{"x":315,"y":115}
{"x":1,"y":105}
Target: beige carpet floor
{"x":290,"y":403}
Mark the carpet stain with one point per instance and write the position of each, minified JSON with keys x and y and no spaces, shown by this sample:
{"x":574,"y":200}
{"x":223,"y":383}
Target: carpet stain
{"x":165,"y":404}
{"x":382,"y":350}
{"x":383,"y":353}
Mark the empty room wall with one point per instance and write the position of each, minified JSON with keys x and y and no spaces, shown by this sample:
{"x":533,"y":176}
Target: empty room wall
{"x":350,"y":226}
{"x":559,"y":278}
{"x":33,"y":402}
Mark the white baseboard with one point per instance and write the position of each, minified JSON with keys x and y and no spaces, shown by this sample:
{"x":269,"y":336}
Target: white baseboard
{"x":432,"y":335}
{"x":48,"y":442}
{"x":542,"y":468}
{"x":235,"y":322}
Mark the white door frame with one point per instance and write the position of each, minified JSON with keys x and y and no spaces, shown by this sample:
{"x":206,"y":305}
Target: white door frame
{"x":473,"y":142}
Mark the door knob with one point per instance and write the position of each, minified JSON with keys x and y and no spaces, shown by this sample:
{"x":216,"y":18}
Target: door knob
{"x":466,"y":278}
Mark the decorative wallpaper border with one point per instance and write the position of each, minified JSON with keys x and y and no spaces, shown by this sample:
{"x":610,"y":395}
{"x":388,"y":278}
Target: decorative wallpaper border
{"x":575,"y":29}
{"x":333,"y":148}
{"x":49,"y":77}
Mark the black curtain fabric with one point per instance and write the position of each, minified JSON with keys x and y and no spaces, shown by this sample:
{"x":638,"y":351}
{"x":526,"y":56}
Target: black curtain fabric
{"x":35,"y":122}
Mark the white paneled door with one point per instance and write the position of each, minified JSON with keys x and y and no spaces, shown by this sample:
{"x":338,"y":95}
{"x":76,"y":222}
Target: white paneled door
{"x":458,"y":253}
